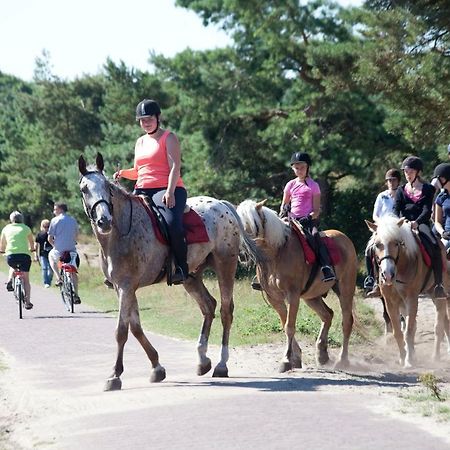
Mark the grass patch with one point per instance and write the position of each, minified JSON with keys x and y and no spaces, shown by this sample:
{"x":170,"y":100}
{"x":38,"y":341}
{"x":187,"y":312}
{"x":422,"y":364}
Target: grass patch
{"x":171,"y":311}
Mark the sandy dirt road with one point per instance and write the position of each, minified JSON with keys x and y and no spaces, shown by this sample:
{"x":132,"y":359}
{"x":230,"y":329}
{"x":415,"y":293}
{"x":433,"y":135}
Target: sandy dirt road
{"x":52,"y":393}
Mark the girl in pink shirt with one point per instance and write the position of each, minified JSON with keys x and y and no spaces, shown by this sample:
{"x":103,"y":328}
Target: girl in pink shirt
{"x":301,"y":200}
{"x":157,"y":163}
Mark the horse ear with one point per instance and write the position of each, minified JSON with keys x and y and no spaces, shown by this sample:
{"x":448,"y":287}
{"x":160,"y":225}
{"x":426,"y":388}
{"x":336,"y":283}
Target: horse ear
{"x":99,"y":162}
{"x":400,"y":222}
{"x":260,"y":204}
{"x":371,"y":226}
{"x":82,"y":165}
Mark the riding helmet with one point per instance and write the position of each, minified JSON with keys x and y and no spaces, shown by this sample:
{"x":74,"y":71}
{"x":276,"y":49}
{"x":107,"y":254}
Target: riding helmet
{"x":393,"y":173}
{"x":442,"y":170}
{"x":300,"y":157}
{"x":412,"y":162}
{"x":147,"y":108}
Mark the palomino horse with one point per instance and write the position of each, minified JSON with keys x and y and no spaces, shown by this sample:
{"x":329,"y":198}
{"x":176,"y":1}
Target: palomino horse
{"x":132,"y":257}
{"x":403,"y":275}
{"x":284,"y":275}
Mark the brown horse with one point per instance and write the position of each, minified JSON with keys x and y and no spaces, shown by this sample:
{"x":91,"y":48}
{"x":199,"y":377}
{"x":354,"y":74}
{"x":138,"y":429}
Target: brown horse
{"x":284,"y":275}
{"x":403,"y":275}
{"x":133,"y":257}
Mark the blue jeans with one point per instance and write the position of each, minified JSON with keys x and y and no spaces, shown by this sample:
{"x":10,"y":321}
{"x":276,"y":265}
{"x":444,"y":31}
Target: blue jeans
{"x":47,"y":272}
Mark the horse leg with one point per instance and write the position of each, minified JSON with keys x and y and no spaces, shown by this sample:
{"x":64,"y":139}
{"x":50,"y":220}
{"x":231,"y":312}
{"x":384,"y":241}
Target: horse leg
{"x":325,"y":314}
{"x":278,"y":304}
{"x":207,"y":304}
{"x":410,"y":332}
{"x":346,"y":303}
{"x":387,"y":319}
{"x":225,"y":272}
{"x":440,"y":326}
{"x":158,"y":371}
{"x":289,"y":328}
{"x":114,"y":383}
{"x":394,"y":313}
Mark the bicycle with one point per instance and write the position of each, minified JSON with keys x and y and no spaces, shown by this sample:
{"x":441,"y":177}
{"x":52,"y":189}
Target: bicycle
{"x":19,"y":290}
{"x":67,"y":287}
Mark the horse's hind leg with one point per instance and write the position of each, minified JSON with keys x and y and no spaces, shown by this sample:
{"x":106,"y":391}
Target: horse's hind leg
{"x":441,"y":326}
{"x":207,"y":304}
{"x":346,"y":302}
{"x":326,"y":316}
{"x":225,"y":271}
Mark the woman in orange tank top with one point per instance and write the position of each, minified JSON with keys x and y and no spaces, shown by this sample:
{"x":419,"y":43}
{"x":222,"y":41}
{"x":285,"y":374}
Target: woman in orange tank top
{"x":157,"y":164}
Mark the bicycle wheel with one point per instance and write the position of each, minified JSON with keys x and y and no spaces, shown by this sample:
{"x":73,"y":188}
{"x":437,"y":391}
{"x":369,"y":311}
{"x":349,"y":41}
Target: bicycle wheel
{"x":20,"y":297}
{"x":67,"y":291}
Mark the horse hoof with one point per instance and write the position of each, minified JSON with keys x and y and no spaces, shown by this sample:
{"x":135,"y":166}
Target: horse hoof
{"x":343,"y":364}
{"x":158,"y":374}
{"x":323,"y":359}
{"x":204,"y":368}
{"x":297,"y":364}
{"x":285,"y":367}
{"x":220,"y":372}
{"x":113,"y":384}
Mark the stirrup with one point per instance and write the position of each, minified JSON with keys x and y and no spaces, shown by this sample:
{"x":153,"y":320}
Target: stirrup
{"x":178,"y":277}
{"x":327,"y":274}
{"x":439,"y":292}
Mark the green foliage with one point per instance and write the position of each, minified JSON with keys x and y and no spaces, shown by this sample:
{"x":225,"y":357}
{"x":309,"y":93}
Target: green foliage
{"x":431,"y":382}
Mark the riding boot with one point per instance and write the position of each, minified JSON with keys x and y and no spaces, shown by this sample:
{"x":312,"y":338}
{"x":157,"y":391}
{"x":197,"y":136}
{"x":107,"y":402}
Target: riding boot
{"x":436,"y":258}
{"x":181,"y":269}
{"x":324,"y":259}
{"x":434,"y":251}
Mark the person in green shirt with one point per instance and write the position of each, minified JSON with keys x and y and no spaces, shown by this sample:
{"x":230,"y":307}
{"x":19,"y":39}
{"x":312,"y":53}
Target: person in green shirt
{"x":17,"y":242}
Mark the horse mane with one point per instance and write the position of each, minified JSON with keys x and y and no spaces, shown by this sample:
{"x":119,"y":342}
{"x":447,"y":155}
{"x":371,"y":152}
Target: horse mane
{"x":388,"y":230}
{"x":269,"y":227}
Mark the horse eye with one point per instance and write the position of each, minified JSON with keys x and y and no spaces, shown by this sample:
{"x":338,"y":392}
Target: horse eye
{"x":379,"y":245}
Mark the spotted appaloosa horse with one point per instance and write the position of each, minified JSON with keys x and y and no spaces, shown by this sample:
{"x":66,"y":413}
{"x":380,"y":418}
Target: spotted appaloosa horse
{"x":284,"y":275}
{"x":132,"y":257}
{"x":403,"y":275}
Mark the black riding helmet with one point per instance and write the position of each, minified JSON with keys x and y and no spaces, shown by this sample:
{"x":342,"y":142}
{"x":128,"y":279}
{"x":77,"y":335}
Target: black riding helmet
{"x":412,"y":162}
{"x":147,"y":108}
{"x":442,"y":171}
{"x":300,"y":157}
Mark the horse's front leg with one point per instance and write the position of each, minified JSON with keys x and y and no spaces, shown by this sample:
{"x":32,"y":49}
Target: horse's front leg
{"x":158,"y":371}
{"x":392,"y":305}
{"x":326,"y":316}
{"x":410,"y":331}
{"x":289,"y":328}
{"x":276,"y":300}
{"x":207,"y":304}
{"x":114,"y":383}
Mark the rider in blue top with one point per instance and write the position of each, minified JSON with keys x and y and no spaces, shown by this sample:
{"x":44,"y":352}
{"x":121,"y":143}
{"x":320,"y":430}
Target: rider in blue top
{"x":442,"y":204}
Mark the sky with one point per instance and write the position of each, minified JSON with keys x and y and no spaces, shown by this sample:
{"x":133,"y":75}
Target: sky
{"x":81,"y":34}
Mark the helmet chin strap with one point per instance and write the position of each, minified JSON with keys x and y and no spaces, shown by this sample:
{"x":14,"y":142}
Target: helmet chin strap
{"x":156,"y":128}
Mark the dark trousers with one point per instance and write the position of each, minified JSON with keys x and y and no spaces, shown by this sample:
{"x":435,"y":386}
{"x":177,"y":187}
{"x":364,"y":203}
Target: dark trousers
{"x":174,"y":219}
{"x":434,"y":251}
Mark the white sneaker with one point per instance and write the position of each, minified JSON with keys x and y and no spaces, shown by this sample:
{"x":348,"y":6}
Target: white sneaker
{"x":46,"y":285}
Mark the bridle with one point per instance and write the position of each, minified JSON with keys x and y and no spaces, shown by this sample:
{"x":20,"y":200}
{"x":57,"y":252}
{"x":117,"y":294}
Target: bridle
{"x":91,"y":212}
{"x":391,"y":258}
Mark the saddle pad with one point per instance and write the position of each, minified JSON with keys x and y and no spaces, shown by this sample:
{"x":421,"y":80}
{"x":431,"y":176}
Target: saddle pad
{"x":310,"y":256}
{"x":425,"y":255}
{"x":193,"y":226}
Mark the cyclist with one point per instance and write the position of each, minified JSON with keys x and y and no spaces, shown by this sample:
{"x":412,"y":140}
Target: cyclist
{"x":17,"y":242}
{"x":62,"y":234}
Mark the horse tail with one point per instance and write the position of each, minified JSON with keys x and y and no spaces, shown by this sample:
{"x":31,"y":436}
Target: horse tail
{"x":248,"y":245}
